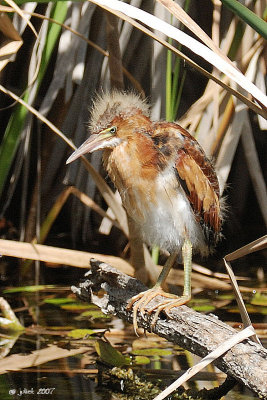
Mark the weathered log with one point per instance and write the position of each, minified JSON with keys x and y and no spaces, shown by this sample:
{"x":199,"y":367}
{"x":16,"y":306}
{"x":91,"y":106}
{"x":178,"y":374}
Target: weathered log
{"x":200,"y":334}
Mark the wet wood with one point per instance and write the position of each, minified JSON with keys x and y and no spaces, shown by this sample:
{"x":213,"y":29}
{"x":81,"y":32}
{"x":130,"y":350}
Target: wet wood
{"x":200,"y":334}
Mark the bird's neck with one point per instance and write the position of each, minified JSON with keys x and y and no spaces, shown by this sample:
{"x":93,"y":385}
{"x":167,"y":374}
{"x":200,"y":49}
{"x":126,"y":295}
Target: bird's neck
{"x":134,"y":157}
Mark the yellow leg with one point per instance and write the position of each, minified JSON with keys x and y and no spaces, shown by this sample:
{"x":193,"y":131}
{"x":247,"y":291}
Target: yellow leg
{"x":140,"y":301}
{"x":143,"y":298}
{"x":187,"y":260}
{"x":176,"y":301}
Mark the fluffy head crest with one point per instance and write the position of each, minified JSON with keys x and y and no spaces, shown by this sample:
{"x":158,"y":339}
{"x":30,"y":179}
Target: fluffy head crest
{"x":111,"y":104}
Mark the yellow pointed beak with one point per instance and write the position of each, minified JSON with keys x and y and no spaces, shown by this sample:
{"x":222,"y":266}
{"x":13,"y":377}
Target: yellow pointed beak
{"x":94,"y":142}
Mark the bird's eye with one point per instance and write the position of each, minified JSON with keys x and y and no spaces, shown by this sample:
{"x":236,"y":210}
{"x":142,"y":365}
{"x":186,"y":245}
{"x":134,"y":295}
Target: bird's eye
{"x":113,"y":129}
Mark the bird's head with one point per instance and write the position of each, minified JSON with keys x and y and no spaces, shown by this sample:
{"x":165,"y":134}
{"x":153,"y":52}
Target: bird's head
{"x":114,"y":117}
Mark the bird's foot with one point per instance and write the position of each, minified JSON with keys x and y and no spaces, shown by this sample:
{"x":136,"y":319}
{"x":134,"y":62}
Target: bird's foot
{"x":140,"y":302}
{"x":167,"y":305}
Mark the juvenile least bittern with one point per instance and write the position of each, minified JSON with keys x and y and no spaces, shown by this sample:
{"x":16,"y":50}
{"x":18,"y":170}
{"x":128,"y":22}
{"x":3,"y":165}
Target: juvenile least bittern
{"x":167,"y":185}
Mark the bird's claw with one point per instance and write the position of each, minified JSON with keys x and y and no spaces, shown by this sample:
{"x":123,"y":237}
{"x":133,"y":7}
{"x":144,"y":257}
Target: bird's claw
{"x":139,"y":304}
{"x":167,"y":305}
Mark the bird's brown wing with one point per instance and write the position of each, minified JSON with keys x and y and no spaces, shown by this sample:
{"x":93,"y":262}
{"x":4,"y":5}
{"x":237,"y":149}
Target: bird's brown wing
{"x":201,"y":194}
{"x":199,"y":181}
{"x":195,"y":173}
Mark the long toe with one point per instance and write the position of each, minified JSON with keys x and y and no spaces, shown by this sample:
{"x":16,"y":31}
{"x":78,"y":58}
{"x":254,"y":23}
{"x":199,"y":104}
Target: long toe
{"x":140,"y":303}
{"x":167,"y":305}
{"x":179,"y":301}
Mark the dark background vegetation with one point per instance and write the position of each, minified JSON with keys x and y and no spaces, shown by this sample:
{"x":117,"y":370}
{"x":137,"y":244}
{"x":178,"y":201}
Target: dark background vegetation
{"x":30,"y":193}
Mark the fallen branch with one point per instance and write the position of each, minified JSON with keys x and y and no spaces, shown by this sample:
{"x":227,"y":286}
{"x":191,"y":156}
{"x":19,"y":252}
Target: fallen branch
{"x":200,"y":334}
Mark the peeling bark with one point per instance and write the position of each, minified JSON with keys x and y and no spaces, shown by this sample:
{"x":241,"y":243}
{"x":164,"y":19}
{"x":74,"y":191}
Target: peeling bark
{"x":200,"y":334}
